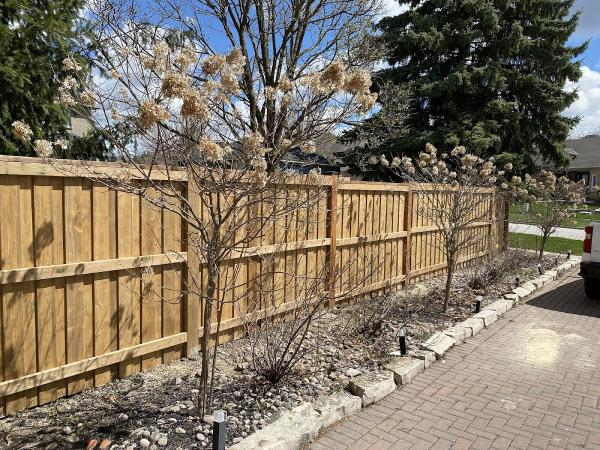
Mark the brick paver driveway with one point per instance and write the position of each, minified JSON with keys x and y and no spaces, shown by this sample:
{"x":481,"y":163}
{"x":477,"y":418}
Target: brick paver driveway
{"x":531,"y":380}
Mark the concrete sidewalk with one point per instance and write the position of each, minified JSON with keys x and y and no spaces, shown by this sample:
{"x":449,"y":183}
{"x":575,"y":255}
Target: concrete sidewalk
{"x":531,"y":380}
{"x":569,"y":233}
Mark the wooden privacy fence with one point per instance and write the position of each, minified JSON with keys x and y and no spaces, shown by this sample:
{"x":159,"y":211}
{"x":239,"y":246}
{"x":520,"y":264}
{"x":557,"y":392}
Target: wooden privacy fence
{"x":73,"y":314}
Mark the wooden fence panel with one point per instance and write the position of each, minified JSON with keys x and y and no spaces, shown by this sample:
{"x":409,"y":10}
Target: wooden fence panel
{"x":80,"y":308}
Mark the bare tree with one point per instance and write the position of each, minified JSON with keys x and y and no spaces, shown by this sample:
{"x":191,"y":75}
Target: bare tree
{"x":552,"y":197}
{"x":176,"y":110}
{"x":457,"y":194}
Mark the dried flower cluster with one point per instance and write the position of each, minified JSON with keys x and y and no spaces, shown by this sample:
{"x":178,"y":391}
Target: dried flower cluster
{"x":22,"y":131}
{"x":152,"y":113}
{"x":334,"y":79}
{"x":42,"y":147}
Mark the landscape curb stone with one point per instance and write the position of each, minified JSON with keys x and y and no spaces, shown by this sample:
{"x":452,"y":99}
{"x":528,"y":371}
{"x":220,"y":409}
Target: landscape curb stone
{"x":372,"y":387}
{"x":488,"y":316}
{"x":439,"y":343}
{"x":405,"y":369}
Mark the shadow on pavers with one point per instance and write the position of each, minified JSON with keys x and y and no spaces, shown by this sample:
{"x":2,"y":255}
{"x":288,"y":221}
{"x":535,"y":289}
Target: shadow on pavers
{"x":569,"y":298}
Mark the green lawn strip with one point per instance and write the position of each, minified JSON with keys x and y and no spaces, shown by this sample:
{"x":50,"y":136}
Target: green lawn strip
{"x":554,"y":244}
{"x":580,"y":221}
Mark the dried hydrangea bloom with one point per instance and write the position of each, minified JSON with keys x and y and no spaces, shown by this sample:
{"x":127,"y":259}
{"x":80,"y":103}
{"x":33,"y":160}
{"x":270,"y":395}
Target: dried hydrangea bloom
{"x":159,"y":61}
{"x":258,"y":163}
{"x":151,"y":113}
{"x":333,"y":76}
{"x":22,"y":131}
{"x":383,"y":161}
{"x":186,"y":58}
{"x":253,"y":144}
{"x":358,"y":81}
{"x":43,"y":148}
{"x":285,"y":144}
{"x":270,"y":93}
{"x":236,"y":59}
{"x":309,"y":147}
{"x":68,"y":83}
{"x":469,"y":160}
{"x":210,"y":149}
{"x":88,"y":99}
{"x":508,"y":167}
{"x":64,"y":98}
{"x":195,"y":105}
{"x":373,"y":160}
{"x":366,"y":100}
{"x":213,"y":64}
{"x":285,"y":84}
{"x":229,"y":83}
{"x":174,"y":84}
{"x":61,"y":143}
{"x":71,"y":65}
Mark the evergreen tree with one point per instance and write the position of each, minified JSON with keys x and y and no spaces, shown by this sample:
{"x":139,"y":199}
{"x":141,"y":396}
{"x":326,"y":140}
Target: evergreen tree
{"x":35,"y":37}
{"x":486,"y":74}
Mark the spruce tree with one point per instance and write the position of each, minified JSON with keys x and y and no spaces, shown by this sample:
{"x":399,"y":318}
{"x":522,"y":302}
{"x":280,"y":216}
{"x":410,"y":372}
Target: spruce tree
{"x":35,"y":37}
{"x":486,"y":74}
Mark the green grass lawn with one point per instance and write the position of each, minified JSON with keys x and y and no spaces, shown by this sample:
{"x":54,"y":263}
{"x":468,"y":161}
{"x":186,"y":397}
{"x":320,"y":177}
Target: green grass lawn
{"x":581,"y":221}
{"x":554,"y":244}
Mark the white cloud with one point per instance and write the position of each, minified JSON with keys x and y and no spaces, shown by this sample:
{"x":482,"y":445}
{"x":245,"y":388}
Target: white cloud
{"x":588,"y":104}
{"x":392,"y":8}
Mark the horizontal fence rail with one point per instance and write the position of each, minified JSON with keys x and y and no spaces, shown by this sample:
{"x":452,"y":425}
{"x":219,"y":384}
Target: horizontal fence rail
{"x":73,"y":312}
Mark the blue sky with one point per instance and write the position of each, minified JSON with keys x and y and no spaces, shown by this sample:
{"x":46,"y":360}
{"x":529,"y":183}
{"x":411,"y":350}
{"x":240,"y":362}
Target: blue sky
{"x":588,"y":104}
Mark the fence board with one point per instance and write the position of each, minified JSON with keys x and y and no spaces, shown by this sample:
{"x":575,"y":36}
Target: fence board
{"x":76,"y":313}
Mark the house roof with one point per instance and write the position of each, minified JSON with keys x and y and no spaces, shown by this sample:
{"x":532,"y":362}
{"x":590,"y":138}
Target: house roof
{"x":584,"y":152}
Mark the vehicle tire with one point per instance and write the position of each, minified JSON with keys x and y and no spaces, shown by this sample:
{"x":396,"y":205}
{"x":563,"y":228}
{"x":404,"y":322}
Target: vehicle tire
{"x":592,"y":288}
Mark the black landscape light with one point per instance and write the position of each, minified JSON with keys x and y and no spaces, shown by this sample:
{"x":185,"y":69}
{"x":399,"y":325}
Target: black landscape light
{"x":541,"y":269}
{"x":478,"y":302}
{"x":569,"y":254}
{"x":402,"y":341}
{"x":219,"y":429}
{"x":517,"y":281}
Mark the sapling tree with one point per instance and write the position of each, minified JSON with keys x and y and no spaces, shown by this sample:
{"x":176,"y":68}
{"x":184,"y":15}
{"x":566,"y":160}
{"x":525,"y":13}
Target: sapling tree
{"x":552,"y":198}
{"x":171,"y":106}
{"x":457,"y":194}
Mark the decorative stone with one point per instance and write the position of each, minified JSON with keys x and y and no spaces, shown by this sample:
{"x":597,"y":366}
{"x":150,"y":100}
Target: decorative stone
{"x":293,"y":430}
{"x":372,"y":387}
{"x":144,"y":443}
{"x":337,"y":406}
{"x":91,"y":445}
{"x":439,"y":343}
{"x":459,"y":334}
{"x":500,"y":306}
{"x":488,"y":316}
{"x":405,"y":369}
{"x":552,"y":273}
{"x":475,"y":324}
{"x":427,"y":356}
{"x":105,"y":444}
{"x":514,"y":298}
{"x":162,"y":440}
{"x":521,"y":292}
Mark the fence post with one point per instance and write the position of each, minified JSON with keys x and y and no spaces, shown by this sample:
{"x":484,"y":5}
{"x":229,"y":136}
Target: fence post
{"x":332,"y":234}
{"x":192,"y":297}
{"x":505,"y":230}
{"x":408,"y":205}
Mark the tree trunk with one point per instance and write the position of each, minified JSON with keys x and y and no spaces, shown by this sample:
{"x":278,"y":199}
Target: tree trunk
{"x":203,"y":394}
{"x":543,"y":245}
{"x":449,"y":277}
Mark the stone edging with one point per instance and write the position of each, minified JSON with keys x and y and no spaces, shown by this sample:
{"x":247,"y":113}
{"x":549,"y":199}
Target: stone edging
{"x":299,"y":426}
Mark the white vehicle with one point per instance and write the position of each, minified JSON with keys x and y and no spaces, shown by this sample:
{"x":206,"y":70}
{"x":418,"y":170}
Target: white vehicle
{"x":590,"y":261}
